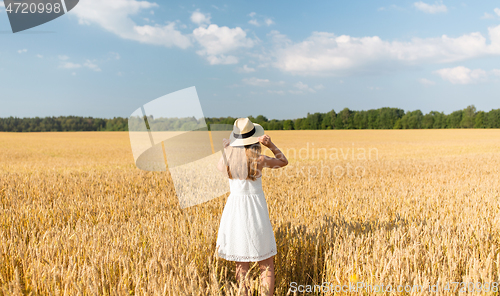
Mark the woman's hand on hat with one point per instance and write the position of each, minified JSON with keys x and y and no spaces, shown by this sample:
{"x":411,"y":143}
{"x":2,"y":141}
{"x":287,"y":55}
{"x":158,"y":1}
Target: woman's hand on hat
{"x":225,"y":143}
{"x":265,"y":140}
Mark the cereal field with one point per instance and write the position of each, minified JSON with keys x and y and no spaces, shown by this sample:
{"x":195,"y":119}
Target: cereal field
{"x":408,"y":208}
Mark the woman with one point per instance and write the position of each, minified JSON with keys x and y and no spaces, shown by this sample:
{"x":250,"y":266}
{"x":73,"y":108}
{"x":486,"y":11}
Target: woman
{"x":245,"y":233}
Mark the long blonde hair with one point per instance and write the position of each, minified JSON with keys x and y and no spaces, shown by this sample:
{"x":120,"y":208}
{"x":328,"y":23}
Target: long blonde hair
{"x":252,"y":152}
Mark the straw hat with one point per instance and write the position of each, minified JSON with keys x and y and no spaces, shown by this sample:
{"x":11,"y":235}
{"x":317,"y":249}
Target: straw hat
{"x":245,"y":132}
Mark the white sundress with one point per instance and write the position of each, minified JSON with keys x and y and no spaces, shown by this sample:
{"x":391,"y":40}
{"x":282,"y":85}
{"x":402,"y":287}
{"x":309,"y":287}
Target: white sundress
{"x":245,"y":232}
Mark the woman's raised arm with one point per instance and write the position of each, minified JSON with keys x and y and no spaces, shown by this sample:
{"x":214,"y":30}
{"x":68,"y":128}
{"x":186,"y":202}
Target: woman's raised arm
{"x":280,"y":159}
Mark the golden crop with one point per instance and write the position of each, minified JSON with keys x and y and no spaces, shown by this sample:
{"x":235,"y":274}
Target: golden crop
{"x":395,"y":207}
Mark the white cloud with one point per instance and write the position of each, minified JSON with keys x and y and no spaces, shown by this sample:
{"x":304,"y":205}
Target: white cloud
{"x":430,"y":8}
{"x":65,"y":64}
{"x":491,"y":16}
{"x":327,"y":53}
{"x":256,"y":81}
{"x":426,"y":82}
{"x":302,"y":86}
{"x":319,"y":86}
{"x":487,"y":16}
{"x":166,"y":36}
{"x":92,"y":66}
{"x":495,"y":72}
{"x":263,"y":20}
{"x":115,"y":17}
{"x":39,"y":56}
{"x":200,"y":18}
{"x":246,"y":69}
{"x":254,"y":22}
{"x":222,"y":60}
{"x":390,"y":7}
{"x":217,"y":41}
{"x":70,"y":65}
{"x":278,"y":92}
{"x":462,"y":75}
{"x":22,"y":50}
{"x":279,"y":39}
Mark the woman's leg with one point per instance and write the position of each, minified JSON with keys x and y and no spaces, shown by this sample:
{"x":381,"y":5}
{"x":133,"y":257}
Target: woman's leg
{"x":267,"y":276}
{"x":241,"y":272}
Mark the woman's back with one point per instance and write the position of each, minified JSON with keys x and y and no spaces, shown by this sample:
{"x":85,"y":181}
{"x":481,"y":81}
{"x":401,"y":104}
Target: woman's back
{"x":246,"y":186}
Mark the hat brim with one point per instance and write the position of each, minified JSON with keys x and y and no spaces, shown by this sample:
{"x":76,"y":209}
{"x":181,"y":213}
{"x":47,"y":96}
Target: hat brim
{"x":259,"y":131}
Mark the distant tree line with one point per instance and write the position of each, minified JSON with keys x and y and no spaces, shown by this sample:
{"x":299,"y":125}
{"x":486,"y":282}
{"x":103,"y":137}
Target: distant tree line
{"x":62,"y":124}
{"x":383,"y":118}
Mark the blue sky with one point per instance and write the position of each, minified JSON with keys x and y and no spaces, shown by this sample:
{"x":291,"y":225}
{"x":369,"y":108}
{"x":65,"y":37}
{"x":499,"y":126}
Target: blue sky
{"x":281,"y":59}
